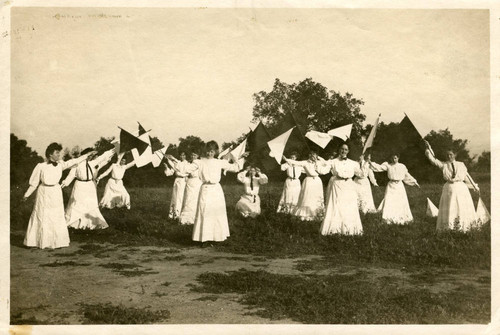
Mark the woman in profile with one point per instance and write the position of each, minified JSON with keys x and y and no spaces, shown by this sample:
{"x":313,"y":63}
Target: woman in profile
{"x":291,"y":189}
{"x":47,"y":226}
{"x":191,"y":192}
{"x":180,"y":169}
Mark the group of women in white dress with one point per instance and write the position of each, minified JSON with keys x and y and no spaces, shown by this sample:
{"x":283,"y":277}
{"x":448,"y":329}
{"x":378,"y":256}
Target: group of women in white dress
{"x":49,"y":220}
{"x":198,"y":198}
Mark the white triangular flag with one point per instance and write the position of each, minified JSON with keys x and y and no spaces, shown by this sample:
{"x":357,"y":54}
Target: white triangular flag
{"x":225,"y":154}
{"x":145,"y":157}
{"x":482,"y":212}
{"x":343,"y":132}
{"x":237,"y":152}
{"x":371,"y":137}
{"x":321,"y":139}
{"x":432,"y":210}
{"x":277,"y":145}
{"x":158,"y":157}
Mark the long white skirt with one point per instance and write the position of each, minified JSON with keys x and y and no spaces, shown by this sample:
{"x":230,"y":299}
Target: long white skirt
{"x":191,"y":194}
{"x":311,"y":200}
{"x":115,"y":195}
{"x":211,"y":223}
{"x":456,"y":207}
{"x":395,"y":207}
{"x":82,"y":211}
{"x":365,"y":197}
{"x":177,"y":198}
{"x":47,"y":227}
{"x":248,"y":205}
{"x":342,"y":214}
{"x":289,"y":196}
{"x":328,"y":190}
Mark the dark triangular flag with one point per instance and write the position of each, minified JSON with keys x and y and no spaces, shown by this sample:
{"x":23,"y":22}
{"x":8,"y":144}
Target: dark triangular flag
{"x":409,"y":135}
{"x":129,"y":142}
{"x":258,"y":138}
{"x":297,"y":141}
{"x":141,"y":129}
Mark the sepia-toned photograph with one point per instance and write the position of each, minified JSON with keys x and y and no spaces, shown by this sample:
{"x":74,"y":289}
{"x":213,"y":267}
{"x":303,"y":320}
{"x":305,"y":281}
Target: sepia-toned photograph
{"x":319,"y":166}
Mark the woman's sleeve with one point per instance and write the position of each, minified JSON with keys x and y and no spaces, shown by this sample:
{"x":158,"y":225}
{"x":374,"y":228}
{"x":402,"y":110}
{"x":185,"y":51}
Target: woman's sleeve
{"x":241,"y":176}
{"x":323,"y":167}
{"x":103,"y":159}
{"x":34,"y":180}
{"x":169,"y":172}
{"x":409,"y":180}
{"x":284,"y":167}
{"x":231,"y":167}
{"x":378,"y":167}
{"x":70,"y":177}
{"x":433,"y":159}
{"x":72,"y":162}
{"x":105,"y":173}
{"x":263,"y":179}
{"x":371,"y":177}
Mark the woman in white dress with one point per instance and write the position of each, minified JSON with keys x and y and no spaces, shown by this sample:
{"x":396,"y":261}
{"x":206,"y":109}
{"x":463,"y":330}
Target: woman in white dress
{"x":47,"y":226}
{"x":191,"y":192}
{"x":395,"y":207}
{"x":210,"y":222}
{"x":363,"y":187}
{"x":342,"y":214}
{"x":82,"y":211}
{"x":310,"y":205}
{"x":181,"y":170}
{"x":249,"y":203}
{"x":456,"y":208}
{"x":291,"y":190}
{"x":115,"y":193}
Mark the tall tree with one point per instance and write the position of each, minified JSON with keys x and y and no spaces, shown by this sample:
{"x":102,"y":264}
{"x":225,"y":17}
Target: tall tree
{"x":313,"y":106}
{"x":22,"y":160}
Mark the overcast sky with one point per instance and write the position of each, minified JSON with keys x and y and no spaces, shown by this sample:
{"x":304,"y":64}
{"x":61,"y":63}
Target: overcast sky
{"x":77,"y":74}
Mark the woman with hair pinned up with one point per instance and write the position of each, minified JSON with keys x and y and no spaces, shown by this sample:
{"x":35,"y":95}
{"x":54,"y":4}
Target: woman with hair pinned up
{"x":291,"y":189}
{"x":456,"y":208}
{"x":395,"y":207}
{"x":180,"y":169}
{"x":115,"y":193}
{"x":47,"y":226}
{"x":191,"y":192}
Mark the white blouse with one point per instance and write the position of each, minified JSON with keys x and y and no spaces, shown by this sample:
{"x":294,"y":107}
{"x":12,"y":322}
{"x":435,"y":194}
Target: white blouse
{"x":292,"y":171}
{"x":343,"y":168}
{"x":87,"y":170}
{"x":310,"y":168}
{"x":211,"y":168}
{"x":252,"y":184}
{"x":452,"y":171}
{"x":395,"y":172}
{"x":367,"y":172}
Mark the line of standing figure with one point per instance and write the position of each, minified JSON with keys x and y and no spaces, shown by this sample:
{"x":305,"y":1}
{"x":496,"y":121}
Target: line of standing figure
{"x":198,"y":198}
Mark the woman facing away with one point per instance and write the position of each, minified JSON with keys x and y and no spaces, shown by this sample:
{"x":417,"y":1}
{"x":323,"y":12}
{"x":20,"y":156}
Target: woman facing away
{"x":210,"y":222}
{"x":310,"y":205}
{"x":181,"y":170}
{"x":363,"y":188}
{"x":82,"y":211}
{"x":115,"y":193}
{"x":249,"y":203}
{"x":456,"y":208}
{"x":191,"y":192}
{"x":47,"y":226}
{"x":342,"y":214}
{"x":395,"y":207}
{"x":291,"y":189}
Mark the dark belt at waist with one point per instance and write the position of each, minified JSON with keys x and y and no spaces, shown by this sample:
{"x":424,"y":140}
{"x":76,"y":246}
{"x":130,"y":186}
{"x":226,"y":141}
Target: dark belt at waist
{"x":210,"y":183}
{"x":394,"y":181}
{"x":46,"y":185}
{"x":115,"y":178}
{"x":82,"y":180}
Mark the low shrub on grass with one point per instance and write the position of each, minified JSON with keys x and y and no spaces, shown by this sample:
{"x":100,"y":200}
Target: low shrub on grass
{"x":347,"y":299}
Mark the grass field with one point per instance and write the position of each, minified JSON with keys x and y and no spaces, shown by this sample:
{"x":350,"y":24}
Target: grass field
{"x":391,"y":274}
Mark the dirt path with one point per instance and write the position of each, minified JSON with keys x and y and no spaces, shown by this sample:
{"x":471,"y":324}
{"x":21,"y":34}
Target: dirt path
{"x":50,"y":286}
